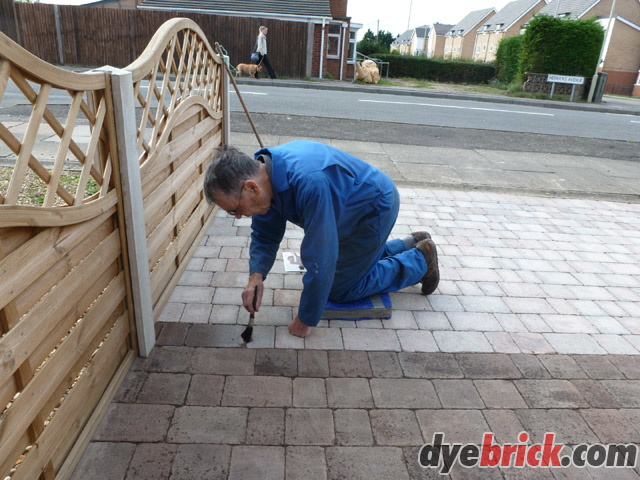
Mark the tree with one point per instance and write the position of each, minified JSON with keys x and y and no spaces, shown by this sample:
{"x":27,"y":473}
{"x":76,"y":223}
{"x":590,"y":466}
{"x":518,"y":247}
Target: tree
{"x":375,"y":43}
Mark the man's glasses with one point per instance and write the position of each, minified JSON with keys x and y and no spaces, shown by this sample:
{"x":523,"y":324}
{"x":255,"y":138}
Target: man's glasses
{"x":234,"y":212}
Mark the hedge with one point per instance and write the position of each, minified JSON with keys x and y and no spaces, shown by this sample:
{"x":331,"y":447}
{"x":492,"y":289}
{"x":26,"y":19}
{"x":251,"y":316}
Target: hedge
{"x":437,"y":69}
{"x":563,"y":47}
{"x":508,"y":58}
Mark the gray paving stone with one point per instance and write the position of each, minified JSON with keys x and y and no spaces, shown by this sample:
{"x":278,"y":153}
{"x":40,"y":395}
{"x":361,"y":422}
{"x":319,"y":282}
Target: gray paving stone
{"x":194,"y":424}
{"x":125,"y":422}
{"x":499,"y":394}
{"x":305,"y":462}
{"x":530,"y":366}
{"x":568,"y":425}
{"x":403,"y":393}
{"x":395,"y":427}
{"x":325,"y":339}
{"x":165,"y":388}
{"x":366,"y":463}
{"x":257,"y":463}
{"x":353,"y":427}
{"x":562,"y":366}
{"x":201,"y":461}
{"x":385,"y":364}
{"x":223,"y":361}
{"x":309,"y":426}
{"x":205,"y":390}
{"x":313,"y":363}
{"x":595,"y":394}
{"x":504,"y":424}
{"x":130,"y":387}
{"x":429,"y":365}
{"x":172,"y":334}
{"x":628,"y":365}
{"x":626,"y":392}
{"x":416,"y":472}
{"x":349,"y":393}
{"x":550,"y":394}
{"x":169,"y":359}
{"x":458,"y":394}
{"x":152,"y":461}
{"x":309,"y":392}
{"x":484,"y":365}
{"x":370,"y":339}
{"x":265,"y":426}
{"x":277,"y":362}
{"x":599,"y":367}
{"x":611,"y":426}
{"x":458,"y":426}
{"x":104,"y":461}
{"x":215,"y":336}
{"x":346,"y":363}
{"x":248,"y":391}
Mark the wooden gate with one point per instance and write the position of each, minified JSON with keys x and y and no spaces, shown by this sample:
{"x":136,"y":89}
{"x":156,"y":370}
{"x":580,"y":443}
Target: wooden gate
{"x":82,"y":282}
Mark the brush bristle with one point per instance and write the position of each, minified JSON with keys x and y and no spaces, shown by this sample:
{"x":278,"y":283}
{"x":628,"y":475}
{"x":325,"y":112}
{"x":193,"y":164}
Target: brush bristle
{"x":246,"y":335}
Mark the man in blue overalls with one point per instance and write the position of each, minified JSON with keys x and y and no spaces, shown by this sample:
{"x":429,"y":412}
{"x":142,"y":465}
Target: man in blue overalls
{"x":347,"y":209}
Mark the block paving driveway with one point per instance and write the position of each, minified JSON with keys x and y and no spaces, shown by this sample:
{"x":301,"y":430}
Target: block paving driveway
{"x":535,"y":327}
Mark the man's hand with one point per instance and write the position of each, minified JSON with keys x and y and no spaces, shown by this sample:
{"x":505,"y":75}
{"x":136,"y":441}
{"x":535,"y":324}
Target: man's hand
{"x":255,"y":286}
{"x":298,"y":328}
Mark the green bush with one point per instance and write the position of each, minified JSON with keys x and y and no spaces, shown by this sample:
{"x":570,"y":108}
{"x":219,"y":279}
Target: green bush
{"x":508,"y":58}
{"x":563,"y":47}
{"x":438,"y":70}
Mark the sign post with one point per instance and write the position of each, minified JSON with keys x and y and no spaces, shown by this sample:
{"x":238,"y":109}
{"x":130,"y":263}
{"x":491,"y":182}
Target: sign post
{"x":553,"y":79}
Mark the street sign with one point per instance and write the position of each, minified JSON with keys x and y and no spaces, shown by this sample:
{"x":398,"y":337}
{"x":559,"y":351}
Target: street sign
{"x":565,"y":79}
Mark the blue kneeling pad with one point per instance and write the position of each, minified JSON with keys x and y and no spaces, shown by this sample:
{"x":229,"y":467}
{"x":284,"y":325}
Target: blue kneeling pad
{"x":375,"y":306}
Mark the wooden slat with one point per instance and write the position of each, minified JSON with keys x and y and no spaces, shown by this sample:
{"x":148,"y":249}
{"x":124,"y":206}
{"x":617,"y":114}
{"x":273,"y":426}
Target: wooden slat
{"x":22,"y":339}
{"x":57,"y":369}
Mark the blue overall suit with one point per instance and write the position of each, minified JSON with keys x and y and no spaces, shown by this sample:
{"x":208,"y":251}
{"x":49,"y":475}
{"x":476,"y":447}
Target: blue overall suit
{"x":347,"y":209}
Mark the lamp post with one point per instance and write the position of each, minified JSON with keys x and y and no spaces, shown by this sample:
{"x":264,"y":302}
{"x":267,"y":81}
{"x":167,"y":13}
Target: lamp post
{"x":594,"y":80}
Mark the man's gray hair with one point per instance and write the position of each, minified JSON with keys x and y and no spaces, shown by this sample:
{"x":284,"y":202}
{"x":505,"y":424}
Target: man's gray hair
{"x":227,"y":172}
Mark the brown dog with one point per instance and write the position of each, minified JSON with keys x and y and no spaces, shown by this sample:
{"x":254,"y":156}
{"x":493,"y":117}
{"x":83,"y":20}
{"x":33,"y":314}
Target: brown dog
{"x":251,"y":70}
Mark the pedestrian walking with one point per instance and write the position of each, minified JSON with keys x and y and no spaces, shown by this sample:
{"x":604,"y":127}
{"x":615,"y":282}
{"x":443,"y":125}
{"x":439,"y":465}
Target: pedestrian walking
{"x":261,"y":50}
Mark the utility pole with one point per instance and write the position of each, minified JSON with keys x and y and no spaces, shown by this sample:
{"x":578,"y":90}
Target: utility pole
{"x":409,"y":19}
{"x":594,"y":80}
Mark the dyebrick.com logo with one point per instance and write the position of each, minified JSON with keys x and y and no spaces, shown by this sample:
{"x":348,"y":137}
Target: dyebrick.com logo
{"x":546,"y":454}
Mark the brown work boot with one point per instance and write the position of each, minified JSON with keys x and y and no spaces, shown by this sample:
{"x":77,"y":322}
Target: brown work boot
{"x":432,"y":277}
{"x":411,"y":240}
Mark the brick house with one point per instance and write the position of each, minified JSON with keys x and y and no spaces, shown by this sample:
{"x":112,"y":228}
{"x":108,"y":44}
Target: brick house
{"x":434,"y":47}
{"x":622,"y":45}
{"x":331,"y":38}
{"x":460,"y":40}
{"x":508,"y":22}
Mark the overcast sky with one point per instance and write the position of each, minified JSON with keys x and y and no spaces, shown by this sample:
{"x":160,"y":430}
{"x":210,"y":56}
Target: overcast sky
{"x":393,"y":15}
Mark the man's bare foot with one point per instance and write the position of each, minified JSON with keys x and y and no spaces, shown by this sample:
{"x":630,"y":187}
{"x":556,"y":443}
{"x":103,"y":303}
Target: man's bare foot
{"x":299,"y":329}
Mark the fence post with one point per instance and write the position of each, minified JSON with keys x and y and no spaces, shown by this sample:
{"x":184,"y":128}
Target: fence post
{"x":126,"y":129}
{"x":226,"y":105}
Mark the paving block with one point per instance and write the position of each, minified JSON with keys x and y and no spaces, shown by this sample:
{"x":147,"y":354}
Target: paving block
{"x":205,"y":390}
{"x":626,"y":392}
{"x":404,"y":393}
{"x":370,"y":339}
{"x":568,"y":425}
{"x":167,"y":388}
{"x":277,"y":362}
{"x":628,"y":365}
{"x":172,"y":333}
{"x":417,"y":341}
{"x":611,"y":426}
{"x":550,"y":394}
{"x":458,"y":426}
{"x":309,"y":392}
{"x":345,"y":363}
{"x":248,"y":391}
{"x":429,"y":365}
{"x":151,"y":461}
{"x":353,"y":427}
{"x":483,"y":365}
{"x":599,"y":367}
{"x":169,"y":359}
{"x":385,"y":364}
{"x":595,"y":394}
{"x":265,"y":426}
{"x":257,"y":463}
{"x":125,"y":422}
{"x":325,"y":339}
{"x":395,"y":427}
{"x":194,"y":424}
{"x":562,"y":366}
{"x":499,"y":394}
{"x":223,"y":361}
{"x":349,"y":393}
{"x":104,"y":461}
{"x":305,"y":462}
{"x":200,"y":461}
{"x":458,"y":394}
{"x":504,"y":424}
{"x":309,"y":426}
{"x":366,"y":463}
{"x":530,"y":366}
{"x":313,"y":363}
{"x":462,"y":342}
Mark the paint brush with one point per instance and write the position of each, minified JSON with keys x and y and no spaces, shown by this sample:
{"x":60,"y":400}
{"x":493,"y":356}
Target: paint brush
{"x":248,"y":332}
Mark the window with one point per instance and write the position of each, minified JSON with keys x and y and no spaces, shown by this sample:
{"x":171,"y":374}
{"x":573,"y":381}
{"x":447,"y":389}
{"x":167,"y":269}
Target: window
{"x":351,"y":56}
{"x":333,"y":44}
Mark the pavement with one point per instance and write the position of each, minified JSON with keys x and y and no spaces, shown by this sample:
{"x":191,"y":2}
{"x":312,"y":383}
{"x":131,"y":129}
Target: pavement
{"x":535,"y":327}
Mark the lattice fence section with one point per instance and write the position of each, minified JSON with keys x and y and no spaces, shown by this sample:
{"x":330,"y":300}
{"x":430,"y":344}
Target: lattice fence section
{"x":186,"y":67}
